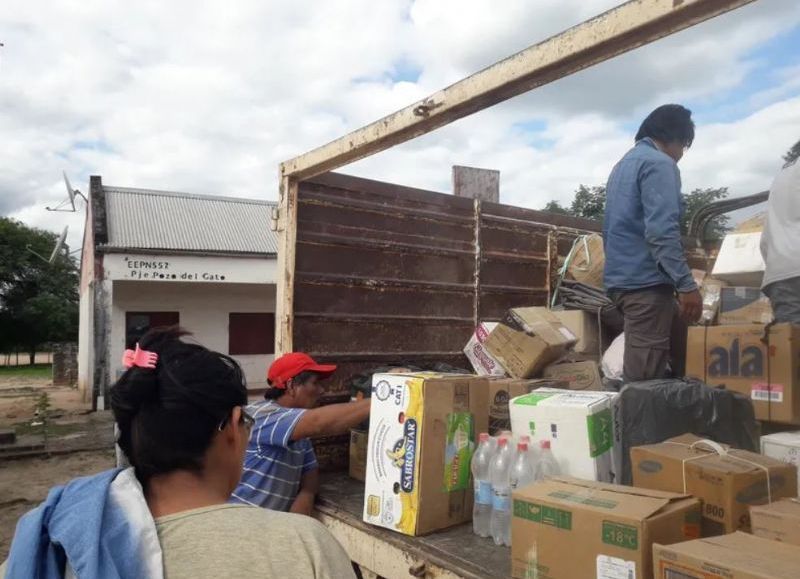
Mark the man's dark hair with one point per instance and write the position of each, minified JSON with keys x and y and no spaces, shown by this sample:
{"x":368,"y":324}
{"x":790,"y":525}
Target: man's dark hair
{"x":168,"y":416}
{"x":275,"y":393}
{"x":668,"y":124}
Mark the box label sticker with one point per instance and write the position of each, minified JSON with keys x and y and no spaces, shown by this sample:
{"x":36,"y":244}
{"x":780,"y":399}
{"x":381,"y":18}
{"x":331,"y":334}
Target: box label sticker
{"x":620,"y":535}
{"x":532,"y":399}
{"x":601,"y":432}
{"x":614,"y":568}
{"x":763,"y":392}
{"x":550,"y":516}
{"x":459,"y":446}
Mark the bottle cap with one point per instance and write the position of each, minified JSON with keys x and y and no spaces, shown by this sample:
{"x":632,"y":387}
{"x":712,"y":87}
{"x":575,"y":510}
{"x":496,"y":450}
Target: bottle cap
{"x":502,"y":441}
{"x":522,"y":446}
{"x":525,"y":438}
{"x":544,"y":444}
{"x":483,"y":437}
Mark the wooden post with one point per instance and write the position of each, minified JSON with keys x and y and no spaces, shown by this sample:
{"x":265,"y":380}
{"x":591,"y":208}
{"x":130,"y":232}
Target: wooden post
{"x":287,"y":238}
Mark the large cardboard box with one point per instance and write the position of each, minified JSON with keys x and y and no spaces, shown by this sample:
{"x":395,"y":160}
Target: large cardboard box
{"x":779,"y":521}
{"x":357,"y":467}
{"x":744,"y":305}
{"x":482,"y":361}
{"x":583,"y":429}
{"x":501,"y":390}
{"x":587,"y":260}
{"x":528,"y":340}
{"x":586,"y":329}
{"x":783,"y":446}
{"x":739,"y":260}
{"x":575,"y":529}
{"x":583,"y":375}
{"x":735,"y":556}
{"x":736,"y":357}
{"x":727,"y":481}
{"x":422,"y":433}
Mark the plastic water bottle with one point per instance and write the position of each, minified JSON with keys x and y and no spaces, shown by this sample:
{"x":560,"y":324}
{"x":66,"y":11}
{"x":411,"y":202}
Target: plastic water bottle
{"x":482,"y":508}
{"x":522,"y":471}
{"x":501,"y":493}
{"x":547,"y":465}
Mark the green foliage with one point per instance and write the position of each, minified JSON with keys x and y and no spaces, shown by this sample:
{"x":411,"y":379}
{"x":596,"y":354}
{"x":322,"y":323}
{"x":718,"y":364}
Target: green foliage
{"x":590,"y":203}
{"x":792,"y":154}
{"x":38,"y":300}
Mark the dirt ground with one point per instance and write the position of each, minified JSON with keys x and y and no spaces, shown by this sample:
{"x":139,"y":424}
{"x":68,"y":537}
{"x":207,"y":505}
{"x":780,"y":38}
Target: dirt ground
{"x":24,"y":483}
{"x":79,"y":443}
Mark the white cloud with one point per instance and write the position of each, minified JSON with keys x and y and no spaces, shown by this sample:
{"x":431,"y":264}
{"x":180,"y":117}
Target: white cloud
{"x":200,"y":97}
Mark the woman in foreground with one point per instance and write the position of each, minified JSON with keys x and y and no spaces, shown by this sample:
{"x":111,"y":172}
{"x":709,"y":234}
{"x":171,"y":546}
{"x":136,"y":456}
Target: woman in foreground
{"x":182,"y":425}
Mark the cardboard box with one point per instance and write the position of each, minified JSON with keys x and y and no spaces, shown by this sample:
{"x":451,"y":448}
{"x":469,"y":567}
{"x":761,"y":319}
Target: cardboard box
{"x":736,"y":357}
{"x":528,"y":340}
{"x":727,"y":481}
{"x":585,"y":328}
{"x":779,"y":521}
{"x":501,"y":390}
{"x":739,"y":260}
{"x":583,"y":429}
{"x":422,"y":433}
{"x":744,"y":305}
{"x":576,"y":529}
{"x":578,"y":375}
{"x":783,"y":446}
{"x":736,"y":556}
{"x":482,"y":361}
{"x":358,"y":454}
{"x":587,"y":260}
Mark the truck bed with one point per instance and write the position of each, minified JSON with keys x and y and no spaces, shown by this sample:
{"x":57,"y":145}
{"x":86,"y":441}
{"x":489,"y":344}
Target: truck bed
{"x":451,"y":553}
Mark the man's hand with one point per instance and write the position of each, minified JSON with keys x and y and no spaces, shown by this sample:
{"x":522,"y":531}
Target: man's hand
{"x":303,"y":503}
{"x":691,"y":304}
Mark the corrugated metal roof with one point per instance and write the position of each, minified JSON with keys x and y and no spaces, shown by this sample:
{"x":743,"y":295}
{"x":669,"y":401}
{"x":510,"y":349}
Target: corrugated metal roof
{"x":164,"y":220}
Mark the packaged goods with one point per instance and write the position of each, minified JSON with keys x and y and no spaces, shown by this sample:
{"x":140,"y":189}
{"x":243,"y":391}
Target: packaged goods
{"x":575,"y":529}
{"x":783,"y":446}
{"x":482,"y":361}
{"x":422,"y":434}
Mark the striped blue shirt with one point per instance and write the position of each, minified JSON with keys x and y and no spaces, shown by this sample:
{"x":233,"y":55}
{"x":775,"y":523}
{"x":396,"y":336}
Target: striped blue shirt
{"x":273,"y":463}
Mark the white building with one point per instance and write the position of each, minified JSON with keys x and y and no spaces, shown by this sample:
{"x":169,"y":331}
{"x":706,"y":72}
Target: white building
{"x":155,"y":258}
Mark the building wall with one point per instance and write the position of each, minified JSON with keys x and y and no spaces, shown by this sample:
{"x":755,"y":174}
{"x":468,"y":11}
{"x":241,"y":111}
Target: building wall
{"x":203,"y":308}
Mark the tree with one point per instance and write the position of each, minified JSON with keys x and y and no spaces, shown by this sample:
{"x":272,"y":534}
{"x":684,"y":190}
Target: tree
{"x":556,"y":207}
{"x":38,"y":300}
{"x":717,"y":227}
{"x":792,"y":154}
{"x":589,"y":202}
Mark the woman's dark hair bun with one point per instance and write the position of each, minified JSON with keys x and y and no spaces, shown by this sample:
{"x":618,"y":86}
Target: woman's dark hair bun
{"x":168,"y":415}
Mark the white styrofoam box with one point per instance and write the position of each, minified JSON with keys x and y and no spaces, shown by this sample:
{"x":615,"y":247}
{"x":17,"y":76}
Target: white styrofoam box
{"x":739,"y":261}
{"x":583,"y":428}
{"x":482,"y":361}
{"x":784,"y":446}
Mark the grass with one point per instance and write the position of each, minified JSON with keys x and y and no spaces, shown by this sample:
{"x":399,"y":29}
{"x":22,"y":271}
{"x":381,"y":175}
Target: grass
{"x":54,"y":430}
{"x":40,"y":371}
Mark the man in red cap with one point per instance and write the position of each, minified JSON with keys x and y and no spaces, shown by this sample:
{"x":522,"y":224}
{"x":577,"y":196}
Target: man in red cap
{"x":280,"y":468}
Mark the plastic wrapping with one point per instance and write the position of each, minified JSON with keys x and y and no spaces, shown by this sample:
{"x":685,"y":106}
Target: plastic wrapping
{"x":712,"y":291}
{"x":656,"y":410}
{"x":613,"y":359}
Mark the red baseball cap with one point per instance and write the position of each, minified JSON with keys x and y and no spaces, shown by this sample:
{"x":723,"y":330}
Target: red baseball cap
{"x":290,"y":365}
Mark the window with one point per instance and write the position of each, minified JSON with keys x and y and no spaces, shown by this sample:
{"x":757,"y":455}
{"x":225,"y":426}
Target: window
{"x":137,"y":324}
{"x":251,"y":334}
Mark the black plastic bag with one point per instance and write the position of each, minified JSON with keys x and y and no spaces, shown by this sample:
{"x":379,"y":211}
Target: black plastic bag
{"x":656,"y":410}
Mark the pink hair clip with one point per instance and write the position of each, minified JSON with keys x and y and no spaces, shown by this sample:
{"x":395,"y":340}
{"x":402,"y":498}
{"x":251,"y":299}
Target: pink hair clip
{"x":139,"y":358}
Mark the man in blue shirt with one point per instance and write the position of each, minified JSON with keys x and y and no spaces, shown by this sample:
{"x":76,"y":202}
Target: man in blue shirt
{"x":646,"y":264}
{"x":280,"y":467}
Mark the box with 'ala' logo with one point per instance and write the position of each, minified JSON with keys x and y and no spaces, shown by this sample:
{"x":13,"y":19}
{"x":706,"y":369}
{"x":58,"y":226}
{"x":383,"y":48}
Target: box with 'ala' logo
{"x":762,"y":362}
{"x":422,"y":433}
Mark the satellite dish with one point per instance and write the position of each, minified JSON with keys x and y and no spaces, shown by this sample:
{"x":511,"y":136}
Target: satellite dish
{"x":59,"y":244}
{"x":69,"y":203}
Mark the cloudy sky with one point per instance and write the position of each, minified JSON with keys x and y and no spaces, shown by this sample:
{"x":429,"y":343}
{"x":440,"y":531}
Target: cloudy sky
{"x":192,"y":96}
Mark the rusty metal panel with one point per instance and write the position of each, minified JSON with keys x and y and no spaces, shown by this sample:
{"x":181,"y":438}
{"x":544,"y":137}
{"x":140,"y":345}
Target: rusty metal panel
{"x":388,"y":275}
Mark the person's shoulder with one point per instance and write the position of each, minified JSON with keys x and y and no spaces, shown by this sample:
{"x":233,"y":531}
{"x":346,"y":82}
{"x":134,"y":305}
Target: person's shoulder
{"x":302,"y":525}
